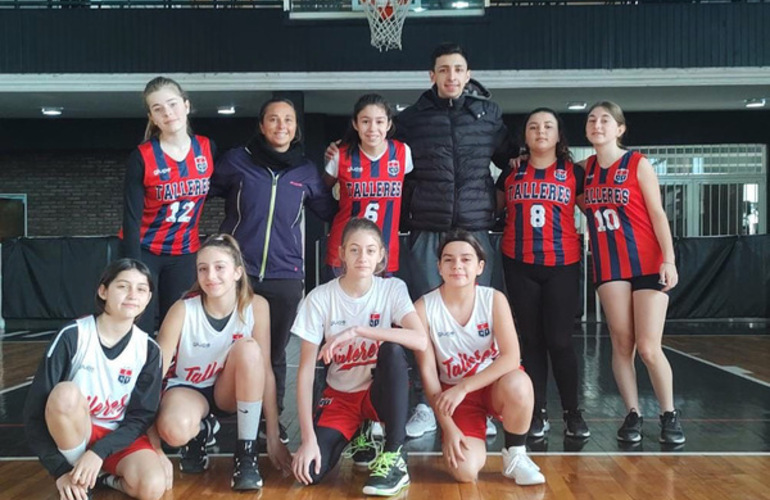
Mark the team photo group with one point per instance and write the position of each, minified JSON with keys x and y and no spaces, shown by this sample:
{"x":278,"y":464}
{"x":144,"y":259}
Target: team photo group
{"x":188,"y":331}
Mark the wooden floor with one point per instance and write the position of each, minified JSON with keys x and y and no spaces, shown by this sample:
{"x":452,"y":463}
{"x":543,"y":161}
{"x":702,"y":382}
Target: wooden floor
{"x":620,"y":477}
{"x":722,"y":383}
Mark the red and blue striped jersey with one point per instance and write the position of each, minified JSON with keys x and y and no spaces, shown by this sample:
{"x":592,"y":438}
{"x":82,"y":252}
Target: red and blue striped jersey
{"x":175,"y":192}
{"x":540,"y":225}
{"x":623,"y":242}
{"x":371,"y":189}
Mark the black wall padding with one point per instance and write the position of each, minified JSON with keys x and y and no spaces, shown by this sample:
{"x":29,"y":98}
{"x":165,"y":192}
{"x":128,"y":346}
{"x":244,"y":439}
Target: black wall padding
{"x":55,"y":278}
{"x":722,"y":277}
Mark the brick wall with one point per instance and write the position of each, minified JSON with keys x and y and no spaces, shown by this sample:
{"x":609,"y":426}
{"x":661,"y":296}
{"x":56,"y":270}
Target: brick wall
{"x":75,"y":193}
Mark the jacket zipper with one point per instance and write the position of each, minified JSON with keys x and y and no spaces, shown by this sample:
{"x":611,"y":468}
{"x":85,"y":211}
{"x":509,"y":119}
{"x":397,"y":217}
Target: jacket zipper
{"x":238,"y":205}
{"x":270,"y":214}
{"x":454,"y":158}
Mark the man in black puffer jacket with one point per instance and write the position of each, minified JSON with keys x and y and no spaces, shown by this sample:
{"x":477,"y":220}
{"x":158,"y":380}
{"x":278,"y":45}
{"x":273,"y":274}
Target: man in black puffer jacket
{"x":455,"y":131}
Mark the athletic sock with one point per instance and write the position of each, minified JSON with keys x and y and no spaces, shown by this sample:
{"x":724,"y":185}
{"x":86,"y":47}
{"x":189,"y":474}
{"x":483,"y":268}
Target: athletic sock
{"x":514,"y":439}
{"x":75,"y":453}
{"x":248,"y":419}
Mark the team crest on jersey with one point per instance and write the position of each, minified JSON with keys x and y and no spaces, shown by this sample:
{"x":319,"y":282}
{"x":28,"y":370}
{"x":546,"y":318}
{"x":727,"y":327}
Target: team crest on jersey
{"x":483,"y":329}
{"x":374,"y":319}
{"x":393,"y":168}
{"x":201,"y":164}
{"x":237,"y":336}
{"x":561,"y":175}
{"x":620,"y":176}
{"x":124,"y":376}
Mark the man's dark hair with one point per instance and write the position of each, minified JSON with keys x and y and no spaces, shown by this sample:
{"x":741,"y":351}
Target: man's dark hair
{"x":447,"y":48}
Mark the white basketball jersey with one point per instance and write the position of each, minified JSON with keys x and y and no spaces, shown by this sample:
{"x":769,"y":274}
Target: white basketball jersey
{"x":328,"y":310}
{"x":202,"y":350}
{"x":462,"y":350}
{"x":106,"y":383}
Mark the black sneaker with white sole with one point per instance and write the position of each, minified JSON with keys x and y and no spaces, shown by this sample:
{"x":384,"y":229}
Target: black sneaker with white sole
{"x":631,"y":430}
{"x":212,"y":427}
{"x":363,"y":448}
{"x":282,"y":434}
{"x":539,"y":425}
{"x":195,"y":459}
{"x":574,"y":425}
{"x":671,"y":431}
{"x":246,"y":474}
{"x":389,"y":474}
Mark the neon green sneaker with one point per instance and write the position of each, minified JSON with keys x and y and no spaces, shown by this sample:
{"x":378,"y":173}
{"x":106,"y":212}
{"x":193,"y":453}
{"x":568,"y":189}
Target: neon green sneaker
{"x":389,"y":474}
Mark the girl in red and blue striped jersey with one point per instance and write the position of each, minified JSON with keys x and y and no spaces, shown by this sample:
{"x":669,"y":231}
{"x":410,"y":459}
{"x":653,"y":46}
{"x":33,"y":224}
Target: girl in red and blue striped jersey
{"x":167,"y":180}
{"x":541,"y":258}
{"x":633,"y":257}
{"x":370,"y":169}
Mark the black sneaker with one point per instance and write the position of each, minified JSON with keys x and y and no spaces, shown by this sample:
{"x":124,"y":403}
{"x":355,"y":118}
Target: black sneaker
{"x":245,"y":467}
{"x":212,"y":427}
{"x":631,"y":430}
{"x":670,"y":428}
{"x":107,"y":480}
{"x":195,"y":459}
{"x":539,"y":425}
{"x":389,"y":474}
{"x":574,"y":425}
{"x":282,"y":434}
{"x":363,"y":448}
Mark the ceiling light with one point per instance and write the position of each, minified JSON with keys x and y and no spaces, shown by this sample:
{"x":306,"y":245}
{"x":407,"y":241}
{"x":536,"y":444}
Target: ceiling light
{"x":51,"y":111}
{"x":576,"y":105}
{"x":226,"y":110}
{"x":460,"y":5}
{"x":757,"y":102}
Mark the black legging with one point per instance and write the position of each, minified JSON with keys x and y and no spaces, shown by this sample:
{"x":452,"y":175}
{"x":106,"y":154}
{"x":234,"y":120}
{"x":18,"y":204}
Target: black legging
{"x":283,"y":296}
{"x":172,"y":275}
{"x":390,"y":397}
{"x":544,"y":301}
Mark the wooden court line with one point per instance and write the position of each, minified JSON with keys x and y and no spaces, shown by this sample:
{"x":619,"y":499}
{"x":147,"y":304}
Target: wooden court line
{"x":14,"y":334}
{"x":726,"y":369}
{"x":40,"y":334}
{"x":19,"y":386}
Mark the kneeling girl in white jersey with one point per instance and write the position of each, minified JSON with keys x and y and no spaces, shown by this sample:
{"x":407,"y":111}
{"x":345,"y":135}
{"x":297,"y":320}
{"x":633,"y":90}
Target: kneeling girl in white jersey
{"x":218,"y":338}
{"x":96,"y":392}
{"x":472,"y":369}
{"x":367,"y":376}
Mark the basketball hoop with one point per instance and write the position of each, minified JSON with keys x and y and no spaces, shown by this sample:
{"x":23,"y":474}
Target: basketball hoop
{"x":386,"y":20}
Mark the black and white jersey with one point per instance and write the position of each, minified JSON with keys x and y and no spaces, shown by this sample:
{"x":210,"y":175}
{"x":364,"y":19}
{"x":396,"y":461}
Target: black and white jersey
{"x":121,"y":385}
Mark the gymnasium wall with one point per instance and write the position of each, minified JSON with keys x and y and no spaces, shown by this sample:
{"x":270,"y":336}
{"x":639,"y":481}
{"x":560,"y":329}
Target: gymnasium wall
{"x":638,"y":35}
{"x":74,"y":189}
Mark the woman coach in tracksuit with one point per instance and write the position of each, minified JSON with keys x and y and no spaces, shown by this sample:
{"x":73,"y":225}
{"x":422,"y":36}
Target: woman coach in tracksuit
{"x":266,"y":185}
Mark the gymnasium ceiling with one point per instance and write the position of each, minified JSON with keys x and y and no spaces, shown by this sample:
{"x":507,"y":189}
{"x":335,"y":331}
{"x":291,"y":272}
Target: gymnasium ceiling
{"x":116,"y":96}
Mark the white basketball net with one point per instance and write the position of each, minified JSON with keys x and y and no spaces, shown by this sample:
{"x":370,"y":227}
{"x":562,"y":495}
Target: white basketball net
{"x":386,"y":20}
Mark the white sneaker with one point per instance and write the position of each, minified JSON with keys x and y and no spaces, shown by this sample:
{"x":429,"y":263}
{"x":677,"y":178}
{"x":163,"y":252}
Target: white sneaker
{"x":518,"y":466}
{"x":422,"y":420}
{"x":377,"y":431}
{"x":491,"y":428}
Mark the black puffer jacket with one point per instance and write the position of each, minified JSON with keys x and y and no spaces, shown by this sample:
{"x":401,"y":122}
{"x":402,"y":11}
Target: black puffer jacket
{"x":453,"y":142}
